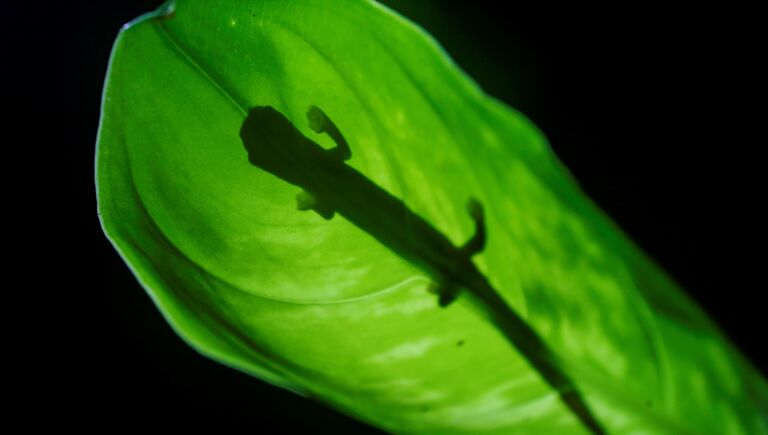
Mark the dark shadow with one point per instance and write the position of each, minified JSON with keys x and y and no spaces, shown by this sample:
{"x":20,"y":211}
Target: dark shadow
{"x":330,"y":186}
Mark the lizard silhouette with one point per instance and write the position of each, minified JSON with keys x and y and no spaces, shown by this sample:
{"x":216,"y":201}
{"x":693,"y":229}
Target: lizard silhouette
{"x":330,"y":186}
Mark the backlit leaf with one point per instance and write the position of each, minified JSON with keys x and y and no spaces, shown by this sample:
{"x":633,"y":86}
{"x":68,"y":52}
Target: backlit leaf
{"x":334,"y":308}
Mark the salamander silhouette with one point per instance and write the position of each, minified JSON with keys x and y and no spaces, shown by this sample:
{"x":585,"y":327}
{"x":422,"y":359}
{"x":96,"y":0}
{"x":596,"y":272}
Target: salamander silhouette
{"x":330,"y":186}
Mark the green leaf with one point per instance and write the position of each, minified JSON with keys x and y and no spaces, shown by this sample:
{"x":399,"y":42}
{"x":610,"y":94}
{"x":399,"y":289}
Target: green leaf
{"x":339,"y":309}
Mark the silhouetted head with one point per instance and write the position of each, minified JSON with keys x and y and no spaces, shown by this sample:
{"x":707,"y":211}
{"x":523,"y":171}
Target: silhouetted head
{"x":266,"y":130}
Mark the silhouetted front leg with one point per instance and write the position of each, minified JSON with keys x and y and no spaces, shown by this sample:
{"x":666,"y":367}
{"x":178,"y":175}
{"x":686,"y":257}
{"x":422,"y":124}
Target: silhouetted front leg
{"x":307,"y":201}
{"x":320,"y":123}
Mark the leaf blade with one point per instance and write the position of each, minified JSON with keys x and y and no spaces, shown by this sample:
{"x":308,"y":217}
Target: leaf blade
{"x":394,"y":118}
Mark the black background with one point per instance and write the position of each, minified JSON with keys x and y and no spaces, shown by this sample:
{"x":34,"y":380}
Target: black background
{"x":655,"y":110}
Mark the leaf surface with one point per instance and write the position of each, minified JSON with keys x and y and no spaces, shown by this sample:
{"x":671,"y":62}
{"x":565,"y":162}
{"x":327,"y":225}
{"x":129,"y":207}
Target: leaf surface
{"x":323,"y":308}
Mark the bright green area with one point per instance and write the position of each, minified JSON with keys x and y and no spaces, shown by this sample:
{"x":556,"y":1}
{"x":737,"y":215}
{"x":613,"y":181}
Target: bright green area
{"x":321,"y":307}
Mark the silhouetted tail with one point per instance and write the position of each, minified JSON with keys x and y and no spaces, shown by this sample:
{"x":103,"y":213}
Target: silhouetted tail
{"x":537,"y":353}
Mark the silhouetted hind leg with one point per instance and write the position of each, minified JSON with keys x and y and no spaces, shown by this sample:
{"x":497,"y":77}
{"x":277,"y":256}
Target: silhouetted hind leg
{"x":447,"y":293}
{"x":319,"y":122}
{"x":477,"y":242}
